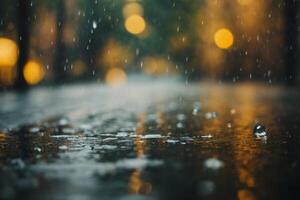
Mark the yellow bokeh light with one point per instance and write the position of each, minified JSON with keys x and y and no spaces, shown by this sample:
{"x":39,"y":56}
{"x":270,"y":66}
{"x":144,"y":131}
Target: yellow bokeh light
{"x":114,"y":54}
{"x":245,"y":2}
{"x":33,"y":72}
{"x":79,"y":67}
{"x":158,"y":66}
{"x":132,"y":8}
{"x":8,"y":52}
{"x":223,"y":38}
{"x":135,"y":24}
{"x":115,"y":77}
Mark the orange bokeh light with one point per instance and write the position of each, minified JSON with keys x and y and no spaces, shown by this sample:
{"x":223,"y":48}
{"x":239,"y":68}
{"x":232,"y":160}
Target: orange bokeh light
{"x":135,"y":24}
{"x":132,"y":8}
{"x":8,"y":52}
{"x":115,"y":77}
{"x":33,"y":72}
{"x":223,"y":38}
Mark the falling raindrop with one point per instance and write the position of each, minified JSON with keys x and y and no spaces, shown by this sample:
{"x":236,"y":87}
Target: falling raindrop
{"x":94,"y":24}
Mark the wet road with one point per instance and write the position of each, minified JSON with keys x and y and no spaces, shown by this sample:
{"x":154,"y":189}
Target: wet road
{"x":162,"y":140}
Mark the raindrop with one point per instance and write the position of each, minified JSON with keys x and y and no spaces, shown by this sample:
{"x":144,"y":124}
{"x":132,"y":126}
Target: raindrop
{"x":181,"y":117}
{"x":109,"y":139}
{"x":34,"y":130}
{"x":63,"y":122}
{"x":179,"y":125}
{"x":210,"y":115}
{"x":122,"y":134}
{"x":172,"y":141}
{"x":152,"y":136}
{"x":94,"y":24}
{"x":63,"y":147}
{"x":37,"y":149}
{"x":105,"y":147}
{"x":259,"y":130}
{"x":207,"y":136}
{"x":195,"y":111}
{"x":213,"y":163}
{"x":68,"y":130}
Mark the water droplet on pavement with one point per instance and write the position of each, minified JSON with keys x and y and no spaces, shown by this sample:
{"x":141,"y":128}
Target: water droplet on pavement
{"x":259,"y":130}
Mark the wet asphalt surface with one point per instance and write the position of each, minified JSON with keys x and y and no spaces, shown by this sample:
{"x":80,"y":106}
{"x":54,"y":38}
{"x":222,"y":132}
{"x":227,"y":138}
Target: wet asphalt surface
{"x":164,"y":140}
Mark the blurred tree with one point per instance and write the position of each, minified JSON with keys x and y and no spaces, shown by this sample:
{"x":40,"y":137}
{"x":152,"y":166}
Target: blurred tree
{"x":23,"y":41}
{"x":60,"y":49}
{"x":100,"y":21}
{"x":291,"y":40}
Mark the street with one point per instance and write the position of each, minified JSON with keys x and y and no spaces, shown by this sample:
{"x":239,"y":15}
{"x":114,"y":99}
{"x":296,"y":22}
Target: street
{"x":158,"y":140}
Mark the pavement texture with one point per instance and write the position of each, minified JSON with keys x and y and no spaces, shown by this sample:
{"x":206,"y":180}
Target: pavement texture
{"x":159,"y":140}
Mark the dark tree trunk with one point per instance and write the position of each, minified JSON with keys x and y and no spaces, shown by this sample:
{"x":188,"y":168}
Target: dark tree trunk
{"x":291,"y":42}
{"x":60,"y":67}
{"x":23,"y":42}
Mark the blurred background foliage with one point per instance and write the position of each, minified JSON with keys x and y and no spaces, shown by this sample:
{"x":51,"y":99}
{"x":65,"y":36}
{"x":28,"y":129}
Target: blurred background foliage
{"x":60,"y":41}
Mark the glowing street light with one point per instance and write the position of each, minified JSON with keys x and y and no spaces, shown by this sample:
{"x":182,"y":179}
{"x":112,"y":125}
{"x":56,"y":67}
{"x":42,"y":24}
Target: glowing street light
{"x":223,"y":38}
{"x":135,"y":24}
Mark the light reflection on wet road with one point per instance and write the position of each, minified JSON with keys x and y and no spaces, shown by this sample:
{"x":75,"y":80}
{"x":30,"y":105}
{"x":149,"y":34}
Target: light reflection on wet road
{"x":152,"y":141}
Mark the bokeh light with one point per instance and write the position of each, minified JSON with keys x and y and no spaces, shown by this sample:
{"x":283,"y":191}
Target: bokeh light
{"x":245,"y":2}
{"x":158,"y":66}
{"x":8,"y":52}
{"x":114,"y":54}
{"x":223,"y":38}
{"x":78,"y":68}
{"x":33,"y":72}
{"x":179,"y":42}
{"x":135,"y":24}
{"x":132,"y":8}
{"x":115,"y":77}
